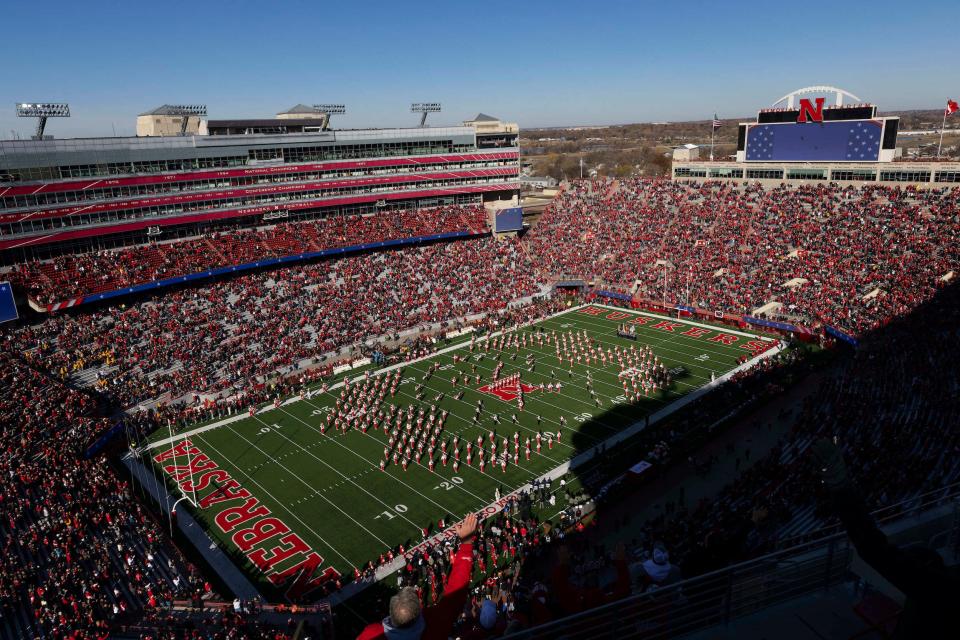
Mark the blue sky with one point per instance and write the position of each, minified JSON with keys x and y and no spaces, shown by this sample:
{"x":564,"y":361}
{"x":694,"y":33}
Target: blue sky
{"x":539,"y":63}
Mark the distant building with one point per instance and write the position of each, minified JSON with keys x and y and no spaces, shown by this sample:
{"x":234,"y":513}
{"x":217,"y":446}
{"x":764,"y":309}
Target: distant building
{"x":493,"y":132}
{"x":538,"y":182}
{"x":166,"y":121}
{"x":686,"y":153}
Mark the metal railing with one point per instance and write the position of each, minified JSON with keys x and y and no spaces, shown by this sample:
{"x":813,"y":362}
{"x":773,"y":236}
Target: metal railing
{"x":906,"y":508}
{"x":712,"y":599}
{"x":722,"y":596}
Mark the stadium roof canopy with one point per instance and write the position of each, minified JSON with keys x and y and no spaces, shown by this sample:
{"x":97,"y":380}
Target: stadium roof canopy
{"x":300,"y":108}
{"x":482,"y":117}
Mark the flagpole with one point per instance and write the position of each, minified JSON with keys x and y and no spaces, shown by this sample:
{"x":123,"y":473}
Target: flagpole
{"x":713,"y":130}
{"x":944,"y":124}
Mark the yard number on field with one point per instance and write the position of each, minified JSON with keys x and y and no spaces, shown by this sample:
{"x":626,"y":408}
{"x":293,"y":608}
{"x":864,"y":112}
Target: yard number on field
{"x":390,"y":515}
{"x":447,"y":485}
{"x":272,"y":427}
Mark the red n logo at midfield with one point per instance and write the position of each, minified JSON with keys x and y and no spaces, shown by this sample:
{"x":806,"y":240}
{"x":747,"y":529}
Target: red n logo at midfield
{"x":808,"y":110}
{"x":507,"y":392}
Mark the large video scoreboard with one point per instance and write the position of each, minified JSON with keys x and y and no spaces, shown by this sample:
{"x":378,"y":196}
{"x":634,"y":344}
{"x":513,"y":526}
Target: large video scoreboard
{"x":814,"y":133}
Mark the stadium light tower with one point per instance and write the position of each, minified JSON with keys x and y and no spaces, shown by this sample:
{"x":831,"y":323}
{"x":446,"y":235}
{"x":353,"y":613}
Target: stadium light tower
{"x":42,"y":111}
{"x":424,"y":108}
{"x":187,"y":110}
{"x":330,"y":110}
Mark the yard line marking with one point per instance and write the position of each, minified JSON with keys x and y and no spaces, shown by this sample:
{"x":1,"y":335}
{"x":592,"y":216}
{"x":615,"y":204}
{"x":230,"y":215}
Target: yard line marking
{"x":591,"y":321}
{"x":272,"y":497}
{"x":471,"y":424}
{"x":707,"y":346}
{"x":601,"y":370}
{"x":340,"y":473}
{"x":446,"y":510}
{"x":604,"y":372}
{"x":301,"y":480}
{"x":538,"y":399}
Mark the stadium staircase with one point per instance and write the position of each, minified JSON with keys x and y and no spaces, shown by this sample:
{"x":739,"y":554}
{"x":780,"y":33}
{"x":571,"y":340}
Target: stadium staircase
{"x":612,"y":190}
{"x":467,"y":222}
{"x":213,"y":247}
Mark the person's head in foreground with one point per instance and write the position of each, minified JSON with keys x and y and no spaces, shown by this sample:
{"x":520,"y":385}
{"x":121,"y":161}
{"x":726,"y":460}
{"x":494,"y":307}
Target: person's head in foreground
{"x":406,"y":621}
{"x":405,"y":613}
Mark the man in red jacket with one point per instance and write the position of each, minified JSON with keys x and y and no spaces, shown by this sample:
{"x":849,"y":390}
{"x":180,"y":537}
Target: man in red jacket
{"x":406,"y":622}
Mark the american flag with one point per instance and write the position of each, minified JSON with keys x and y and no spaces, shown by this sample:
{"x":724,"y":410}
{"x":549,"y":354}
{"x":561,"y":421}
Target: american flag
{"x":863,"y":142}
{"x":716,"y":122}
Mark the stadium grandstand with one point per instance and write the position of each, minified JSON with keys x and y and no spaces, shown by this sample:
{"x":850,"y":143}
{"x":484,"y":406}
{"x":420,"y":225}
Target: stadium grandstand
{"x":62,"y":197}
{"x":268,"y":378}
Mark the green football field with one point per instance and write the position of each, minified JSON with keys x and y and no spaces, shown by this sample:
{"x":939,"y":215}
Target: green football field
{"x":289,"y":501}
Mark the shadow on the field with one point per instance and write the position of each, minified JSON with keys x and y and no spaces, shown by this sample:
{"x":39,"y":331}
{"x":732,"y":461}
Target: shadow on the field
{"x":609,"y":478}
{"x":619,"y":452}
{"x":641,"y":451}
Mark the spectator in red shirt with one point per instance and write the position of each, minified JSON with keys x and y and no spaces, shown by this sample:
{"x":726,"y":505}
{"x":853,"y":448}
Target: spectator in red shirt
{"x":406,"y":622}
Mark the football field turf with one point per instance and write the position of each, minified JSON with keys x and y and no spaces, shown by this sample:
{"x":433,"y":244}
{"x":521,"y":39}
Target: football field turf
{"x":289,"y":501}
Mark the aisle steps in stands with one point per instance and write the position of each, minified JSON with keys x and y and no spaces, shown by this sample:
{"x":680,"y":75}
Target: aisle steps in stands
{"x":804,"y":521}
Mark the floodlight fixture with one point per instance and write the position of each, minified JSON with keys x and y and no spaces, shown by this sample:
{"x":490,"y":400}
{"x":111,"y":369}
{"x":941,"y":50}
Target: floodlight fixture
{"x":42,"y":111}
{"x":186,"y":110}
{"x":331,"y":109}
{"x":423,"y":108}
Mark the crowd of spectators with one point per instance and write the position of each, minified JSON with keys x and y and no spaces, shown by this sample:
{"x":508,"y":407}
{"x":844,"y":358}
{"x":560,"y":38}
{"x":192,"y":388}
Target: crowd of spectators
{"x":237,"y":620}
{"x":79,"y":551}
{"x":848,"y":257}
{"x":75,"y":275}
{"x":230,"y":336}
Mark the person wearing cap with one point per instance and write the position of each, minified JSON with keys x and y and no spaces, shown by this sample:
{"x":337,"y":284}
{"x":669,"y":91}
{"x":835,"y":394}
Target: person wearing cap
{"x":657,"y":569}
{"x":489,"y":624}
{"x":406,"y":620}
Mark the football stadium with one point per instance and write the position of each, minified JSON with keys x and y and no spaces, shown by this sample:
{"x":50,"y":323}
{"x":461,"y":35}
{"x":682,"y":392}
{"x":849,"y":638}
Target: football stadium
{"x":271,"y":378}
